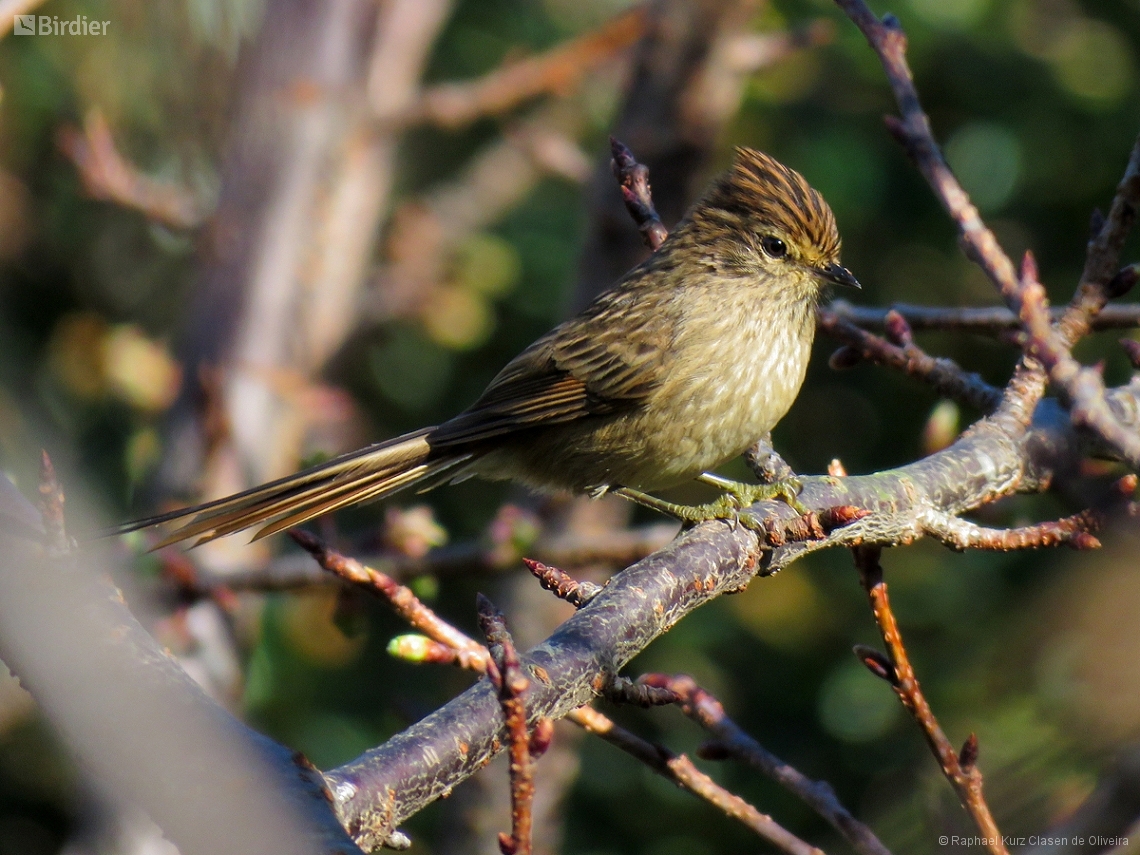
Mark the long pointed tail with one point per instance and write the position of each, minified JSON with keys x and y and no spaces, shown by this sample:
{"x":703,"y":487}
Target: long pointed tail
{"x":368,"y":474}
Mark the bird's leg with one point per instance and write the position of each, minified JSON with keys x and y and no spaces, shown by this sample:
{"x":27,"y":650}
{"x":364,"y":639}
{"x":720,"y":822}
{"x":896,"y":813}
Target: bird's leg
{"x":736,"y":497}
{"x":787,"y":488}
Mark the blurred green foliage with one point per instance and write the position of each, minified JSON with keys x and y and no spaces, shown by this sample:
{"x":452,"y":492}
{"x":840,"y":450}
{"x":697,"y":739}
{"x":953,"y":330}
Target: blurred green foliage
{"x":1037,"y":103}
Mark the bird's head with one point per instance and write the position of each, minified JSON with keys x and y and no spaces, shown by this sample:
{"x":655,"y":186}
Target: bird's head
{"x":762,"y":218}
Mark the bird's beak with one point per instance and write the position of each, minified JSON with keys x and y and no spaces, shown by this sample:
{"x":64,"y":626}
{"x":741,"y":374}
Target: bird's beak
{"x":837,"y":274}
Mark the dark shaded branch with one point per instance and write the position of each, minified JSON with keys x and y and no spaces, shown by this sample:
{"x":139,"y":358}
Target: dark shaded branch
{"x":680,"y":770}
{"x":708,"y":712}
{"x":946,"y":377}
{"x":986,"y":320}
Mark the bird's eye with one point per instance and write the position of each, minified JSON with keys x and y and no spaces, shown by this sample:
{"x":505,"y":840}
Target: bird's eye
{"x":773,"y":247}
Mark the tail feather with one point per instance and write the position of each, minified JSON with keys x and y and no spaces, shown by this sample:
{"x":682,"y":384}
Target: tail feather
{"x":367,"y":474}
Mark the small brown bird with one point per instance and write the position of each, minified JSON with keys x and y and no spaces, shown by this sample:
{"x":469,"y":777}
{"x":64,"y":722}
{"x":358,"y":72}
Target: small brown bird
{"x":691,"y":357}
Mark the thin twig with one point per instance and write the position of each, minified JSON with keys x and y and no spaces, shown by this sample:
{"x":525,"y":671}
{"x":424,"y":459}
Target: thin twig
{"x":622,"y":690}
{"x":946,"y":377}
{"x":709,"y":713}
{"x":562,"y":584}
{"x":680,"y":770}
{"x":507,"y":676}
{"x":959,"y":768}
{"x":633,"y":179}
{"x":401,"y":598}
{"x":1075,"y":531}
{"x":984,"y":320}
{"x":1098,"y":284}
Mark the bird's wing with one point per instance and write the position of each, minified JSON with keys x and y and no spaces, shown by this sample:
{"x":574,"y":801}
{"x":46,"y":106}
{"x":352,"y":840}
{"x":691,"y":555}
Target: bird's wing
{"x":594,"y":364}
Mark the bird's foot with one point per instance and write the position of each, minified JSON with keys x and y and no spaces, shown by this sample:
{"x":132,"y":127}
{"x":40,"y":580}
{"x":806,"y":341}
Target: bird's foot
{"x":788,"y":489}
{"x":736,"y":496}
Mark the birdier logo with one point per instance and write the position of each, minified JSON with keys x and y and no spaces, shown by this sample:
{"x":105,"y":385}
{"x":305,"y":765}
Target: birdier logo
{"x":51,"y":25}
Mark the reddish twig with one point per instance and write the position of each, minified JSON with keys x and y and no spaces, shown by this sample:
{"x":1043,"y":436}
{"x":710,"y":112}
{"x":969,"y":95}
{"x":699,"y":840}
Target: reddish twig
{"x":633,"y":178}
{"x":401,"y":598}
{"x":946,"y":377}
{"x":507,"y":676}
{"x":562,"y":584}
{"x":959,"y":768}
{"x":984,"y":320}
{"x":680,"y":770}
{"x":709,"y":713}
{"x":108,"y":176}
{"x":1075,"y":531}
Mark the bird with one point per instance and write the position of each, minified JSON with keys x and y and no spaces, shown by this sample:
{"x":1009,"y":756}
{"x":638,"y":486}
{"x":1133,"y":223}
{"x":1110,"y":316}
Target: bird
{"x":681,"y":365}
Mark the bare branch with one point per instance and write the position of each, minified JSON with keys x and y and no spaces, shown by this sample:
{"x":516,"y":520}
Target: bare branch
{"x":508,"y":678}
{"x":633,"y":178}
{"x":960,"y":768}
{"x":1075,"y":531}
{"x":944,"y":375}
{"x":1082,"y":388}
{"x":401,"y":598}
{"x":709,"y":713}
{"x":680,"y":770}
{"x":985,"y":320}
{"x":562,"y":584}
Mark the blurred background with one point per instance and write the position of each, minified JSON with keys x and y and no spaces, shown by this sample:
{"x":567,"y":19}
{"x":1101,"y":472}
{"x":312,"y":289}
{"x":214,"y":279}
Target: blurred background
{"x":241,"y":235}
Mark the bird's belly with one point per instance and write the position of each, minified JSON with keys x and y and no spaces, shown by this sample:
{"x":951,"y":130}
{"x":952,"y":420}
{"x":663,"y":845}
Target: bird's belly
{"x":693,"y":423}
